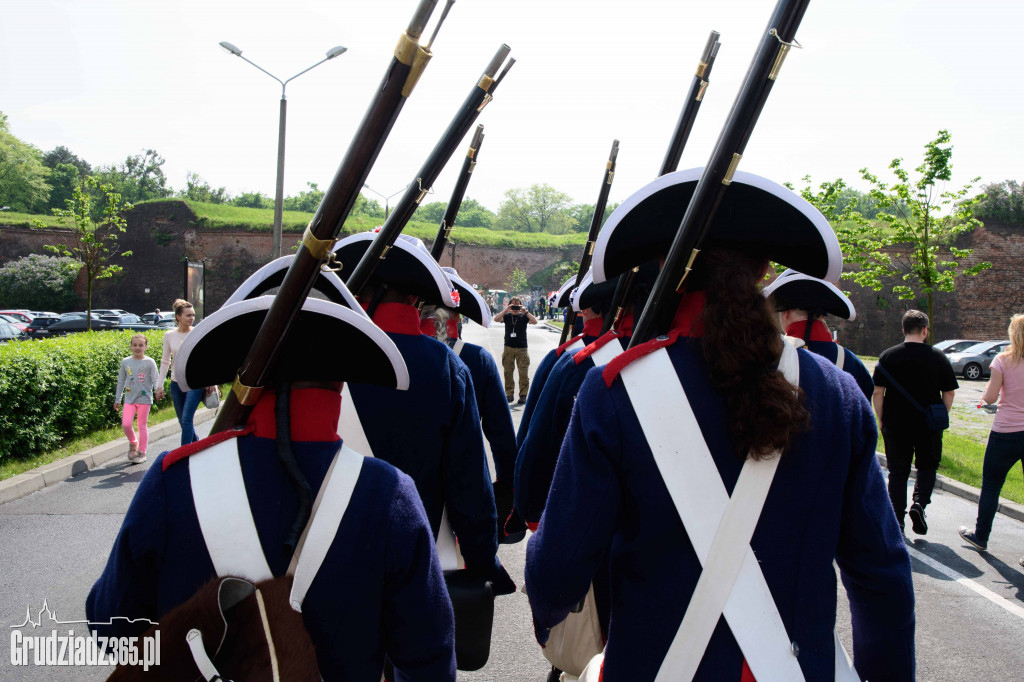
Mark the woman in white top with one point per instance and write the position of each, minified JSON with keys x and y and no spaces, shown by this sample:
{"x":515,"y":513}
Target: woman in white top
{"x":1006,"y":440}
{"x":185,"y":402}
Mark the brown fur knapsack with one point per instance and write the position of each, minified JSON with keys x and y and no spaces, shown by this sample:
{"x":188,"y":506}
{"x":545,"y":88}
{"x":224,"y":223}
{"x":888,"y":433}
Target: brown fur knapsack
{"x":249,"y":633}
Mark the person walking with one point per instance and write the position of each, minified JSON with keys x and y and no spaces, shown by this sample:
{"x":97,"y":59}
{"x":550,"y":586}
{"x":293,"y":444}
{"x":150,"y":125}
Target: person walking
{"x":137,"y":375}
{"x":185,"y":402}
{"x":909,"y":378}
{"x":1006,"y":440}
{"x":516,"y":353}
{"x":711,"y":575}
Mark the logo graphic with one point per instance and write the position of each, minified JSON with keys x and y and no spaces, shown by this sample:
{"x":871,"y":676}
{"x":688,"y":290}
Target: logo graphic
{"x":55,"y":648}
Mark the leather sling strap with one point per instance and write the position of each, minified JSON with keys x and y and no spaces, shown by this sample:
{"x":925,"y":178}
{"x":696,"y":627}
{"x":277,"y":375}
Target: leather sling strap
{"x":457,"y":348}
{"x":840,"y":356}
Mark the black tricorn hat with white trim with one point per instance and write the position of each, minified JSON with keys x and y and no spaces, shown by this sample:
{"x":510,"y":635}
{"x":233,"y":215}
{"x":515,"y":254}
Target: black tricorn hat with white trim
{"x":756,"y":216}
{"x":407,"y":266}
{"x":564,"y":296}
{"x":589,"y":294}
{"x":471,"y":303}
{"x":212,"y":352}
{"x":794,"y":289}
{"x":271,"y":275}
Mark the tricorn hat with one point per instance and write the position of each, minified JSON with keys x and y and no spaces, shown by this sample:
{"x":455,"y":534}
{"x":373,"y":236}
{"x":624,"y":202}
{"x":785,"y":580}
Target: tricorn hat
{"x":565,"y":292}
{"x":407,"y":265}
{"x":271,"y":275}
{"x":793,"y":289}
{"x":212,"y":352}
{"x":588,"y":294}
{"x":756,"y":216}
{"x":471,"y":303}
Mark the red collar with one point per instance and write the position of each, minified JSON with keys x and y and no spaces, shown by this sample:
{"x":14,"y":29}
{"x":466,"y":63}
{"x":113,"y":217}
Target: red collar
{"x":819,"y":332}
{"x":428,"y":327}
{"x":314,"y":415}
{"x":593,"y":326}
{"x":397,"y":318}
{"x":453,"y":327}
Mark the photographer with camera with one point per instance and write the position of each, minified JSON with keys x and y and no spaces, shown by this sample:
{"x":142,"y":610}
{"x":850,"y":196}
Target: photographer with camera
{"x":516,"y":317}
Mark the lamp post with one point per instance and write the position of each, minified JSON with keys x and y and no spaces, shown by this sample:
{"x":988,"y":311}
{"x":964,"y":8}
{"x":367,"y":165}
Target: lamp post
{"x":279,"y":195}
{"x":386,"y":198}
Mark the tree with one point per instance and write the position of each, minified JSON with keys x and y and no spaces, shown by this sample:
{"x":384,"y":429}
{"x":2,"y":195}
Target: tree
{"x":583,"y":214}
{"x":139,"y":178}
{"x":62,"y":154}
{"x":39,"y":282}
{"x":367,"y":207}
{"x":197,"y":189}
{"x":23,"y":177}
{"x":64,"y":178}
{"x":307,"y":201}
{"x":921,"y":217}
{"x":94,"y":243}
{"x":253,"y":200}
{"x":432,"y":212}
{"x":516,"y":281}
{"x":1003,"y":203}
{"x":541,"y":208}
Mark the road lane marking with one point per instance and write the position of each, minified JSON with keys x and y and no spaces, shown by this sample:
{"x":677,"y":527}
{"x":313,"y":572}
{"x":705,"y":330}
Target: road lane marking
{"x":999,"y":601}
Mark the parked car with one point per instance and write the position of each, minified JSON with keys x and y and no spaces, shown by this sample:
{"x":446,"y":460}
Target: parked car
{"x":69,"y":325}
{"x":22,"y":316}
{"x":40,"y":322}
{"x":16,"y":321}
{"x":974,"y":362}
{"x":158,"y":319}
{"x":955,"y":345}
{"x":9,"y":332}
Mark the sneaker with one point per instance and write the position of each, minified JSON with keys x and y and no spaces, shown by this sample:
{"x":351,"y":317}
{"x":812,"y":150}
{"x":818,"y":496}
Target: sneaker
{"x":917,"y":521}
{"x":510,"y":399}
{"x":137,"y":457}
{"x":971,"y":538}
{"x":522,"y":400}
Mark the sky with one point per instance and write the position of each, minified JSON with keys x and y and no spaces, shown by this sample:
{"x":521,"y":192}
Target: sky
{"x":875,"y":80}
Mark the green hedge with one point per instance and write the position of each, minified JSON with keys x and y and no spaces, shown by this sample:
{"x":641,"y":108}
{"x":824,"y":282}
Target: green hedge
{"x":56,"y":389}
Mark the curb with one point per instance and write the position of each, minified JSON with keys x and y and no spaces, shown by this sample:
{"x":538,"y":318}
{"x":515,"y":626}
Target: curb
{"x":1006,"y":507}
{"x":69,"y":467}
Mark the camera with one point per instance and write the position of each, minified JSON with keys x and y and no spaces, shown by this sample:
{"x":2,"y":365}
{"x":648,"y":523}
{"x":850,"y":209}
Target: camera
{"x":515,"y":307}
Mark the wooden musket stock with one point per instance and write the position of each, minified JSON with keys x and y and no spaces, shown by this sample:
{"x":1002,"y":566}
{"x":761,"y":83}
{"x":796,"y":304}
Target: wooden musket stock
{"x":595,"y":227}
{"x":409,"y":60}
{"x":418,"y":188}
{"x":714,"y":182}
{"x":698,"y":86}
{"x":450,"y":213}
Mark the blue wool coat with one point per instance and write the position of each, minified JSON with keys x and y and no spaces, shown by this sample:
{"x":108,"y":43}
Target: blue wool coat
{"x":828,"y":501}
{"x":535,"y":463}
{"x":852,"y":365}
{"x":379,"y":591}
{"x":495,"y":417}
{"x":591,"y":331}
{"x":432,"y":433}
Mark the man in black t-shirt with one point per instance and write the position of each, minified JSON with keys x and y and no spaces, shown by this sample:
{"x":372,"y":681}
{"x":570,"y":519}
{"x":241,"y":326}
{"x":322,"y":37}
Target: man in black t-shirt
{"x":516,"y":317}
{"x":927,"y":376}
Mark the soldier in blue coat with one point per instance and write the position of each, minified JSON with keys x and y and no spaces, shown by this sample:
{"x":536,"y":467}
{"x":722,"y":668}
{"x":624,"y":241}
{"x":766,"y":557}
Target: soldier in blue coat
{"x":768,"y":607}
{"x":379,"y":590}
{"x":432,"y":431}
{"x":803,"y":302}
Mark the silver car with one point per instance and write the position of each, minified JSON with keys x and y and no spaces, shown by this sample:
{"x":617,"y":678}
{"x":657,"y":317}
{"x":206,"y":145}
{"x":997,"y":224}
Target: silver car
{"x":974,"y":362}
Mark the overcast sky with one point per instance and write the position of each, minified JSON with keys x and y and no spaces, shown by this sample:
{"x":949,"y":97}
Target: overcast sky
{"x":876,"y":80}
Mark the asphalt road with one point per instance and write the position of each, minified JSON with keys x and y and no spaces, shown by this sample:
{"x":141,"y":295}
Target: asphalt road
{"x":970,"y":606}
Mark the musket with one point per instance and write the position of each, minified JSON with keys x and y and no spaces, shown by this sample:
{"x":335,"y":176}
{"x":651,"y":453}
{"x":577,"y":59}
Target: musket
{"x":448,"y":221}
{"x":714,"y":182}
{"x":478,"y":98}
{"x":595,"y":227}
{"x":698,"y":86}
{"x":400,"y":78}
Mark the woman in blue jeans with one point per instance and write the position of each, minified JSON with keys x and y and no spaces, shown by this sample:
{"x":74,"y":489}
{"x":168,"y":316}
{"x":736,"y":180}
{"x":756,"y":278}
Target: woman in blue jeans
{"x":185,"y":402}
{"x":1006,"y":440}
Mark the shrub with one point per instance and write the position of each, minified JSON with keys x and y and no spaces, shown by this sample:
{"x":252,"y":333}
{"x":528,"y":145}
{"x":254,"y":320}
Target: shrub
{"x":39,"y":282}
{"x":61,"y":388}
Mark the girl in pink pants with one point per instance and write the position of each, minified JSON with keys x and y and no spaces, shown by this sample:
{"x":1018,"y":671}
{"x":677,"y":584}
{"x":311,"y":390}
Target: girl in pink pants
{"x":137,"y":376}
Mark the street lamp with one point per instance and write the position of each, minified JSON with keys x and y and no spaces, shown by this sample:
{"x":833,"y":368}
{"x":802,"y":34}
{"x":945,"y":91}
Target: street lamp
{"x":279,"y":195}
{"x":386,"y":198}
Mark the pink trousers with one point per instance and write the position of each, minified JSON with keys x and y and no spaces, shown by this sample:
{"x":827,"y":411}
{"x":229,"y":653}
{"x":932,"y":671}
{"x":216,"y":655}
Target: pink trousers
{"x":126,"y":422}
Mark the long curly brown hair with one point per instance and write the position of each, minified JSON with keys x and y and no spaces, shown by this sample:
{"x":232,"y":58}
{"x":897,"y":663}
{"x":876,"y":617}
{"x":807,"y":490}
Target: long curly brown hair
{"x":742,"y":346}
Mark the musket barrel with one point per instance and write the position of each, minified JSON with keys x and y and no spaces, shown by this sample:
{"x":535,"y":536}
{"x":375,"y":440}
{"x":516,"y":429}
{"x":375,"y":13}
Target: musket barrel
{"x":717,"y":175}
{"x":452,"y":210}
{"x":421,"y":184}
{"x":409,"y":60}
{"x":595,"y":227}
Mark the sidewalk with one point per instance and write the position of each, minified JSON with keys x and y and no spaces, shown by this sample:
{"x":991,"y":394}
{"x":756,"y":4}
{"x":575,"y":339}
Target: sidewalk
{"x":69,"y":467}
